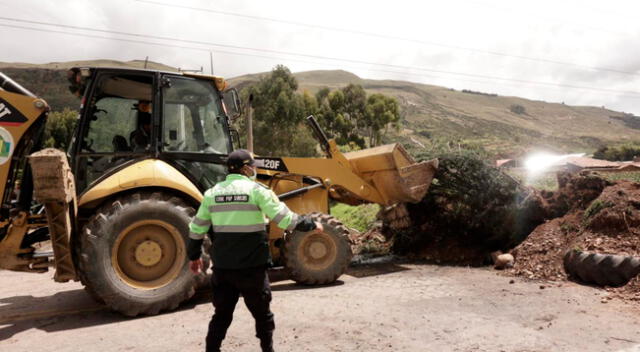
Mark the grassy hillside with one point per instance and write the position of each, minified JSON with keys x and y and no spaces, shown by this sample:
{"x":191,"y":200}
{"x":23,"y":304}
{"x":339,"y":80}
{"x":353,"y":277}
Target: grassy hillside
{"x":50,"y":84}
{"x":100,"y":63}
{"x":505,"y":125}
{"x":50,"y":80}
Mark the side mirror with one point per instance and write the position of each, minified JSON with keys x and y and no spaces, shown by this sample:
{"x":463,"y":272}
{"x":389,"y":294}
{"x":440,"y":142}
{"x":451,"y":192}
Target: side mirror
{"x":231,"y":100}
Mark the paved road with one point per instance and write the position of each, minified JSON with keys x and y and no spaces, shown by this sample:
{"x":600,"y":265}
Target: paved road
{"x":381,"y":307}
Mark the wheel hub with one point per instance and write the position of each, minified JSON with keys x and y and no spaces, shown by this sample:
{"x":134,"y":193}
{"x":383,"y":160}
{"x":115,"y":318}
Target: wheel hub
{"x":148,"y":253}
{"x":317,"y":250}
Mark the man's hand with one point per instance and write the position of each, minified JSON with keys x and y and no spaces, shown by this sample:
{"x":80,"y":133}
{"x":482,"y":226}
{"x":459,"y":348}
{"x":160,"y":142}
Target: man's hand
{"x":196,"y":266}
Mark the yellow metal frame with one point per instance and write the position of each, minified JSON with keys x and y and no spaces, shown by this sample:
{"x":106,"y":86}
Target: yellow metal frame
{"x":384,"y":175}
{"x":32,"y":108}
{"x":146,"y":173}
{"x":20,"y":224}
{"x":221,"y":83}
{"x":10,"y":244}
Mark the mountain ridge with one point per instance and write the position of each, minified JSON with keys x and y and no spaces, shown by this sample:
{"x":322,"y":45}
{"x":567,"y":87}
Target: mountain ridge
{"x":506,"y":125}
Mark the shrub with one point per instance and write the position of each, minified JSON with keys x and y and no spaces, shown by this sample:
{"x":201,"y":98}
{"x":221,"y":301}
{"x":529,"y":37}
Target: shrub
{"x":618,"y":153}
{"x":517,"y":109}
{"x":595,"y":207}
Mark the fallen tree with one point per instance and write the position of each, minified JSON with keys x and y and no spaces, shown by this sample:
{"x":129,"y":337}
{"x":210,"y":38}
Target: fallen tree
{"x":471,"y":210}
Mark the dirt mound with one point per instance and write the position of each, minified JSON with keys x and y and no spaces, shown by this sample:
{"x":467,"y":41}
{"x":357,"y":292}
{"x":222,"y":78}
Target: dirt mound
{"x":608,"y":224}
{"x":615,"y":211}
{"x":575,"y":191}
{"x":540,"y":255}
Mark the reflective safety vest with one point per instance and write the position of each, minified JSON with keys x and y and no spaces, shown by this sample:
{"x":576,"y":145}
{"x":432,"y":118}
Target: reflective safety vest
{"x":235,"y":209}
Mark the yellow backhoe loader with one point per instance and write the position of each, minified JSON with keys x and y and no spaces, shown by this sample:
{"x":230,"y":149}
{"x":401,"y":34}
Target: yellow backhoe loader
{"x":147,"y":144}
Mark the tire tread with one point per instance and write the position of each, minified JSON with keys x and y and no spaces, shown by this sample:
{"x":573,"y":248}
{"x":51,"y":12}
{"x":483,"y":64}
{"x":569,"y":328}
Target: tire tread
{"x":601,"y":269}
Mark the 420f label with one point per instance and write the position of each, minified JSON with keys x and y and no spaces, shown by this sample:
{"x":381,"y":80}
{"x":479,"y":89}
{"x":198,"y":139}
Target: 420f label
{"x":275,"y":164}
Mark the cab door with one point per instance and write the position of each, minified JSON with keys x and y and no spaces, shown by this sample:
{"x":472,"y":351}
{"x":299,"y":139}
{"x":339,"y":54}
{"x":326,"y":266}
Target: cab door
{"x":117,"y":125}
{"x":194,"y":129}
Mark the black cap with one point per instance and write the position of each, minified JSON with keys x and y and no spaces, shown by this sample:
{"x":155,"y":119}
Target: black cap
{"x":239,"y":158}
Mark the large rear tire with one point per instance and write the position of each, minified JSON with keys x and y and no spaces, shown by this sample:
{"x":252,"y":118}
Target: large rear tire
{"x":132,"y":254}
{"x":316,"y":258}
{"x":601,"y":269}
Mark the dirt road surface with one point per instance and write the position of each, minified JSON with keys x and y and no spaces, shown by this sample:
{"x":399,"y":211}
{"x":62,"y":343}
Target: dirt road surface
{"x":375,"y":307}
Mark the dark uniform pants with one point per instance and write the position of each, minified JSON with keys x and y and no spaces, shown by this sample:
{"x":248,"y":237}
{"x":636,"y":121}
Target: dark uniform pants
{"x":228,"y":285}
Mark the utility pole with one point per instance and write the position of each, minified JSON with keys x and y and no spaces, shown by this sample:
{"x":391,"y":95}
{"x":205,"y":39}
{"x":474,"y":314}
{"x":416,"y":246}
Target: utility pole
{"x":146,"y":59}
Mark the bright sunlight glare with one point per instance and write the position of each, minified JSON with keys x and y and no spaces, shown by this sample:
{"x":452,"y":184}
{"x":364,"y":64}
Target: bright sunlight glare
{"x":540,"y":162}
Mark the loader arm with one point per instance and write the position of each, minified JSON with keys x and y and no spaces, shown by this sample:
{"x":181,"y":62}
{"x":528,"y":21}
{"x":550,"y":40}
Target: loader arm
{"x":384,"y":175}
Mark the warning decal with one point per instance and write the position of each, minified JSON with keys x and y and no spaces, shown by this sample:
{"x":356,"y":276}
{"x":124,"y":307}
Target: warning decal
{"x":10,"y":116}
{"x":6,"y":145}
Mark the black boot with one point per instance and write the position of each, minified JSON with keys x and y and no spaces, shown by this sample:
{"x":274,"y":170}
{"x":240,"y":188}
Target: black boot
{"x":266,"y":344}
{"x":213,"y":346}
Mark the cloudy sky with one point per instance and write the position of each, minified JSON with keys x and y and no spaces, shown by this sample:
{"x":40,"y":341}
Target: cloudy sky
{"x":581,"y":52}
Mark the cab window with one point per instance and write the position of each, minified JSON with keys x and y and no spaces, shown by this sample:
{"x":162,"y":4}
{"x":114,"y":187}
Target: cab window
{"x":117,"y":125}
{"x":193,"y":119}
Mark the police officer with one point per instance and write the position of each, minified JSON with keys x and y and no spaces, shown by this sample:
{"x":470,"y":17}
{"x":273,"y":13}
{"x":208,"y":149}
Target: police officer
{"x":236,"y":209}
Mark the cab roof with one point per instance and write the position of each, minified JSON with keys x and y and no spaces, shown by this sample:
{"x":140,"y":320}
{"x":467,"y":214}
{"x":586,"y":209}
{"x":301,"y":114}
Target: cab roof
{"x":220,"y":82}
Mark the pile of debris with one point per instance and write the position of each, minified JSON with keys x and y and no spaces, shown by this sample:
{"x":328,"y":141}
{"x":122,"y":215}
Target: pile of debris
{"x":474,"y":210}
{"x":471,"y":210}
{"x":369,"y":242}
{"x":575,"y":192}
{"x":607,"y":224}
{"x":540,"y":255}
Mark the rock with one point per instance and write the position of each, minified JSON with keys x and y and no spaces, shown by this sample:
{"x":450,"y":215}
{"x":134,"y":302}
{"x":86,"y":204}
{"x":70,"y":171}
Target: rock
{"x":504,"y":261}
{"x":494,"y":255}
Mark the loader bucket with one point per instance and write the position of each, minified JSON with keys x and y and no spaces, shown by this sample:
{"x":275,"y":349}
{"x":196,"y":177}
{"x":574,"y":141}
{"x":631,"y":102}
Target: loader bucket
{"x":393,"y":172}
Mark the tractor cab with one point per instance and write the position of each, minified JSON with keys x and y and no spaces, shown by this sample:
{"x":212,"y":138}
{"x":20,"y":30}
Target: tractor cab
{"x":131,"y":115}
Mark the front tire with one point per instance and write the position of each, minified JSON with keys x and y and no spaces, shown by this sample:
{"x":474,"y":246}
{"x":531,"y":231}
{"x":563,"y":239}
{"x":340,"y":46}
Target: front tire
{"x":132,"y":253}
{"x":316,"y":258}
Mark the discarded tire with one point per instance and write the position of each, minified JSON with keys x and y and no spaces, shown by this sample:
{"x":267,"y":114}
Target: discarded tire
{"x":601,"y":269}
{"x":316,"y":258}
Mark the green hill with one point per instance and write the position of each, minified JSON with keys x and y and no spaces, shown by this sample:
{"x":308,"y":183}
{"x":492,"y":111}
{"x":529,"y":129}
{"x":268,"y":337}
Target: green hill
{"x":504,"y":125}
{"x":96,"y":63}
{"x":50,"y":80}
